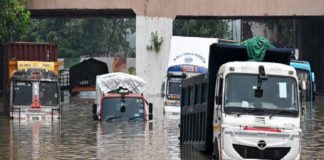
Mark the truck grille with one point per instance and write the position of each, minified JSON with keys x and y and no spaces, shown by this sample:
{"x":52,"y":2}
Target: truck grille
{"x":259,"y":120}
{"x":256,"y":153}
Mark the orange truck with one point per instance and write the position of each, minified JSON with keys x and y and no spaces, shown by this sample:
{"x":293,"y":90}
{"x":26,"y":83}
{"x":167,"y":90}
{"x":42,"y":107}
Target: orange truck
{"x":31,"y":84}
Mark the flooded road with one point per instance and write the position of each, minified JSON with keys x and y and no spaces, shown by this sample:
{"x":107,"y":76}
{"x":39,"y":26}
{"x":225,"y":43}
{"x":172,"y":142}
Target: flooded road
{"x":77,"y":136}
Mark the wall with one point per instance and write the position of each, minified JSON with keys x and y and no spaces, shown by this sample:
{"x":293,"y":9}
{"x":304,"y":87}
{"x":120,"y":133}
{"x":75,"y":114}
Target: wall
{"x":311,"y":45}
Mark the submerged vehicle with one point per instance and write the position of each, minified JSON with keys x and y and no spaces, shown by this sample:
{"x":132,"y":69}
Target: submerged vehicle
{"x":243,"y":109}
{"x":82,"y":76}
{"x":119,"y":97}
{"x":35,"y":93}
{"x":31,"y":88}
{"x":188,"y":57}
{"x":306,"y":80}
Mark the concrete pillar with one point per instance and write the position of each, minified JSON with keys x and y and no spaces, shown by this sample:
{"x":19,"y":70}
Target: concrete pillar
{"x":152,"y":65}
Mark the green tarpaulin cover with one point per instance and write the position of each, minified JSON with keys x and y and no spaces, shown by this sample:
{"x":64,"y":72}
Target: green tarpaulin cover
{"x":256,"y":47}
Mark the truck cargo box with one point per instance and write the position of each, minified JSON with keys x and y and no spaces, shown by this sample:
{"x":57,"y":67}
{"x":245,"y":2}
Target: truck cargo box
{"x":31,"y":51}
{"x":83,"y":75}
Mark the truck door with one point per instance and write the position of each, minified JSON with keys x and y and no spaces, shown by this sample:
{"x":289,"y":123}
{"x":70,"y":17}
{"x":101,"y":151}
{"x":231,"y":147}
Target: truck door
{"x":218,"y":99}
{"x":217,"y":117}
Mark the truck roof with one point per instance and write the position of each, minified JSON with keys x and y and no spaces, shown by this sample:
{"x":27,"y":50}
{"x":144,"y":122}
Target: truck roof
{"x":223,"y":53}
{"x":114,"y":81}
{"x":253,"y":68}
{"x":300,"y":64}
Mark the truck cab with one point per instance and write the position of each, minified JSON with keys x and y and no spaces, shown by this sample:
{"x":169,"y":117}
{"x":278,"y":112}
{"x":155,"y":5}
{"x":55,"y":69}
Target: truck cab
{"x":124,"y":107}
{"x":306,"y":79}
{"x":119,"y":97}
{"x":257,"y":111}
{"x":35,"y":95}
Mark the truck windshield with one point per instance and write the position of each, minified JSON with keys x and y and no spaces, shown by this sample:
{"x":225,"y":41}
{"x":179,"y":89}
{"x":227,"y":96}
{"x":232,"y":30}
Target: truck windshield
{"x":48,"y":93}
{"x":22,"y":93}
{"x":174,"y":88}
{"x":279,"y":94}
{"x":124,"y":109}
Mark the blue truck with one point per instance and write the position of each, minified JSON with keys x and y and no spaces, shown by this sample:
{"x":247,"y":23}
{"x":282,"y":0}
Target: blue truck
{"x":306,"y":80}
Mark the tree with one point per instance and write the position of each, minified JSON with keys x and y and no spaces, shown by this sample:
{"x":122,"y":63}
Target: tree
{"x":87,"y":36}
{"x":14,"y":19}
{"x":201,"y":28}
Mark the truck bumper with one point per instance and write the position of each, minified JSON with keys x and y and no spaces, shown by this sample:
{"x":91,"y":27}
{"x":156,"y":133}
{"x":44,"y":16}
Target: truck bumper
{"x":243,"y":145}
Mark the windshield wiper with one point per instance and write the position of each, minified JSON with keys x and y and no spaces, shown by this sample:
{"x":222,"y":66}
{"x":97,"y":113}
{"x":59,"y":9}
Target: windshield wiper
{"x":135,"y":117}
{"x":279,"y":112}
{"x":113,"y":117}
{"x":250,"y":111}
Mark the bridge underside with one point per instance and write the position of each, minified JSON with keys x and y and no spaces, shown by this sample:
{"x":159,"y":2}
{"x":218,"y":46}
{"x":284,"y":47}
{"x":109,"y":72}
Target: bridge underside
{"x":77,"y":13}
{"x":173,"y":8}
{"x":124,"y":13}
{"x":158,"y":15}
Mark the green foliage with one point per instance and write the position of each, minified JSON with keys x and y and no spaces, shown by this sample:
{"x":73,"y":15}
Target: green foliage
{"x":88,"y":36}
{"x":156,"y":42}
{"x":201,"y":28}
{"x":14,"y":18}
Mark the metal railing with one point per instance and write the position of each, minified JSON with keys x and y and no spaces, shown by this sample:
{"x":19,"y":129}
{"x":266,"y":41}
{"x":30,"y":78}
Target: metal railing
{"x":64,"y":80}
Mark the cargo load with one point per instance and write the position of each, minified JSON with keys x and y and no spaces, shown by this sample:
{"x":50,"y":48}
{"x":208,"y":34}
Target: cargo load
{"x":120,"y":96}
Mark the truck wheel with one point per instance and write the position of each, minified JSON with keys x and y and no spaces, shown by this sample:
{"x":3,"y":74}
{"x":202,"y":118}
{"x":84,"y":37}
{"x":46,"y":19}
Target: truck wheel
{"x":215,"y":150}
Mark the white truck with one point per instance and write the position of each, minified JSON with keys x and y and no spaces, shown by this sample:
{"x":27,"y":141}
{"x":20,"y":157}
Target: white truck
{"x":119,"y":97}
{"x":188,"y":56}
{"x":242,"y":109}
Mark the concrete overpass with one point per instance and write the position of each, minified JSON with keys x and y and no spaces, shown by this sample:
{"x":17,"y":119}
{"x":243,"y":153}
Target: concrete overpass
{"x":158,"y":15}
{"x":173,"y":8}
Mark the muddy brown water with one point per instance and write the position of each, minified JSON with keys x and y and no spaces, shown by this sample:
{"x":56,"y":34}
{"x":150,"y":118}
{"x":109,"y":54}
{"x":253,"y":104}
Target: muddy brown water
{"x":77,"y":136}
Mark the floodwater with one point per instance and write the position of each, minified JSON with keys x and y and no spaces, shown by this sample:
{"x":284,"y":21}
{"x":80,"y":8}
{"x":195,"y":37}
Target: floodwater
{"x":77,"y":136}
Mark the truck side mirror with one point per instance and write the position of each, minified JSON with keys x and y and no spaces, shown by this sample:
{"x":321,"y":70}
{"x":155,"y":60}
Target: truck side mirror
{"x":94,"y":108}
{"x":218,"y":100}
{"x":94,"y":112}
{"x":62,"y":96}
{"x":162,"y":89}
{"x":303,"y":110}
{"x":300,"y":87}
{"x":258,"y":92}
{"x":123,"y":108}
{"x":150,"y":116}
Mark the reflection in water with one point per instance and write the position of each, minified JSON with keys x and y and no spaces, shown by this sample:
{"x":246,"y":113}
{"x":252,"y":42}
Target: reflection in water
{"x":313,"y":131}
{"x":32,"y":140}
{"x":77,"y":136}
